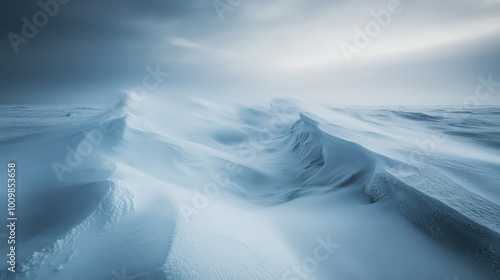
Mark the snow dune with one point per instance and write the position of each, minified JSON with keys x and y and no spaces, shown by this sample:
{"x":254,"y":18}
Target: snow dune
{"x":196,"y":190}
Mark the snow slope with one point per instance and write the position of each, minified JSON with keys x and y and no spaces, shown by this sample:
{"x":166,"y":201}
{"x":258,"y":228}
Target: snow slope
{"x":195,"y":190}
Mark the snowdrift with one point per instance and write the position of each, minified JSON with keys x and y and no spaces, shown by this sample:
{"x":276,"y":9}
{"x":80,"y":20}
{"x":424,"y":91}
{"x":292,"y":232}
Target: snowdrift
{"x":201,"y":191}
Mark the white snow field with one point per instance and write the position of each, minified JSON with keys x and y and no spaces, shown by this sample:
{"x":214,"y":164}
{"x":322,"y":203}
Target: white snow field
{"x":290,"y":190}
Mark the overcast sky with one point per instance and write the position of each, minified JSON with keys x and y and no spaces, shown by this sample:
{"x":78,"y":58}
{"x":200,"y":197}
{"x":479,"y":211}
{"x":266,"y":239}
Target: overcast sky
{"x":429,"y":52}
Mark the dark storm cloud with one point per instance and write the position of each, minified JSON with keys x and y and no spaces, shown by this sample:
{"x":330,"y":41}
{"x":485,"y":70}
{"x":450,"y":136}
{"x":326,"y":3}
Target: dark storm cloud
{"x":432,"y":52}
{"x":86,"y":43}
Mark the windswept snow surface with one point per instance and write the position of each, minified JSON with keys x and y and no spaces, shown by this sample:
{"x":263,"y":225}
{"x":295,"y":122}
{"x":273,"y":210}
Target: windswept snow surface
{"x":195,"y":190}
